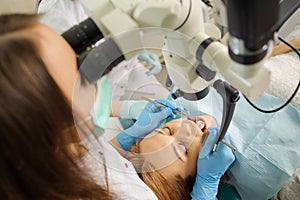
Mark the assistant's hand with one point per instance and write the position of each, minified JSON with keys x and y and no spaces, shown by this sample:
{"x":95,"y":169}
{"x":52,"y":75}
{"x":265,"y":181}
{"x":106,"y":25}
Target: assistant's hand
{"x":152,"y":59}
{"x":211,"y":167}
{"x":152,"y":117}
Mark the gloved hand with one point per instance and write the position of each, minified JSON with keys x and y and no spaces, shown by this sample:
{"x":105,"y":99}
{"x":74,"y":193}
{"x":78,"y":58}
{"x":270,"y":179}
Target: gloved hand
{"x":211,"y":167}
{"x":152,"y":117}
{"x":152,"y":59}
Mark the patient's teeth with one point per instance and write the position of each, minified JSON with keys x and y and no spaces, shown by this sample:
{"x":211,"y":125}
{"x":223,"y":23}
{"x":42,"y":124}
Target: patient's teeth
{"x":201,"y":124}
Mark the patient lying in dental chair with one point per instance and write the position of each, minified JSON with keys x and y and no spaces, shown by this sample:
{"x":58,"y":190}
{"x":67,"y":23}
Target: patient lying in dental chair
{"x":166,"y":159}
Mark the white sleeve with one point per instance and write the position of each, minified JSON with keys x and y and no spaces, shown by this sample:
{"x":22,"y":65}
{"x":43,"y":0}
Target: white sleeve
{"x":106,"y":165}
{"x":61,"y":14}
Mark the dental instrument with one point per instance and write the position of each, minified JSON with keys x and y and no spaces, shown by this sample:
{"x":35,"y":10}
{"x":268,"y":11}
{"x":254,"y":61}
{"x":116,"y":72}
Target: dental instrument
{"x":233,"y":148}
{"x":162,"y":105}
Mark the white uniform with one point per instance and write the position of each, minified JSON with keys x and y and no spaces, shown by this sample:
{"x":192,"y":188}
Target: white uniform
{"x":61,"y":14}
{"x":106,"y":165}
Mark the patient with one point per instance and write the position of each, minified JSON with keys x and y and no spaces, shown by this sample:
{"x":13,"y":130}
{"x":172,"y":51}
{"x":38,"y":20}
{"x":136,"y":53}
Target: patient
{"x":166,"y":160}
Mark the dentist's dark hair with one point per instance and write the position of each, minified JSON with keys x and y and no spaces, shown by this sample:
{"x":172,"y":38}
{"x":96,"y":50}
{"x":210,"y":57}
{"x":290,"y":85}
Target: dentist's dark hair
{"x":35,"y":121}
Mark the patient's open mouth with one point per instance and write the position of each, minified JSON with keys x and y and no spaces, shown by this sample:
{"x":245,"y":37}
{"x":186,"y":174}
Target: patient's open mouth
{"x":201,"y":123}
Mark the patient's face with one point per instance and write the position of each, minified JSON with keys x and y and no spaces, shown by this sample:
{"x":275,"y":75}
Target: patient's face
{"x":173,"y":149}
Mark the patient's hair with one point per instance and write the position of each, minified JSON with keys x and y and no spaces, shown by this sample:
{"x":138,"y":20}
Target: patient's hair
{"x":165,"y":188}
{"x":35,"y":118}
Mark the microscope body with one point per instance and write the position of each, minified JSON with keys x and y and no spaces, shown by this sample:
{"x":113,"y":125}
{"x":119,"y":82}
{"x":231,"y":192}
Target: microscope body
{"x":184,"y":37}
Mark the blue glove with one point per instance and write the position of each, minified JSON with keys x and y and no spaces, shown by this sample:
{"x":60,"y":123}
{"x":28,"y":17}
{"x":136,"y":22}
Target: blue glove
{"x":211,"y":167}
{"x":151,"y":118}
{"x":152,"y":59}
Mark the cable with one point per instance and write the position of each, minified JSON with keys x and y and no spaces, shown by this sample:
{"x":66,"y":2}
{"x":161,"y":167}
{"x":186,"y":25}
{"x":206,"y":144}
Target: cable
{"x":187,"y":17}
{"x":277,"y":109}
{"x":291,"y":46}
{"x":208,"y":3}
{"x":291,"y":97}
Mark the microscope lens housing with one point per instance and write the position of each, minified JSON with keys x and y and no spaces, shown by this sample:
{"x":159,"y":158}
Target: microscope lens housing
{"x":83,"y":35}
{"x":252,"y":25}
